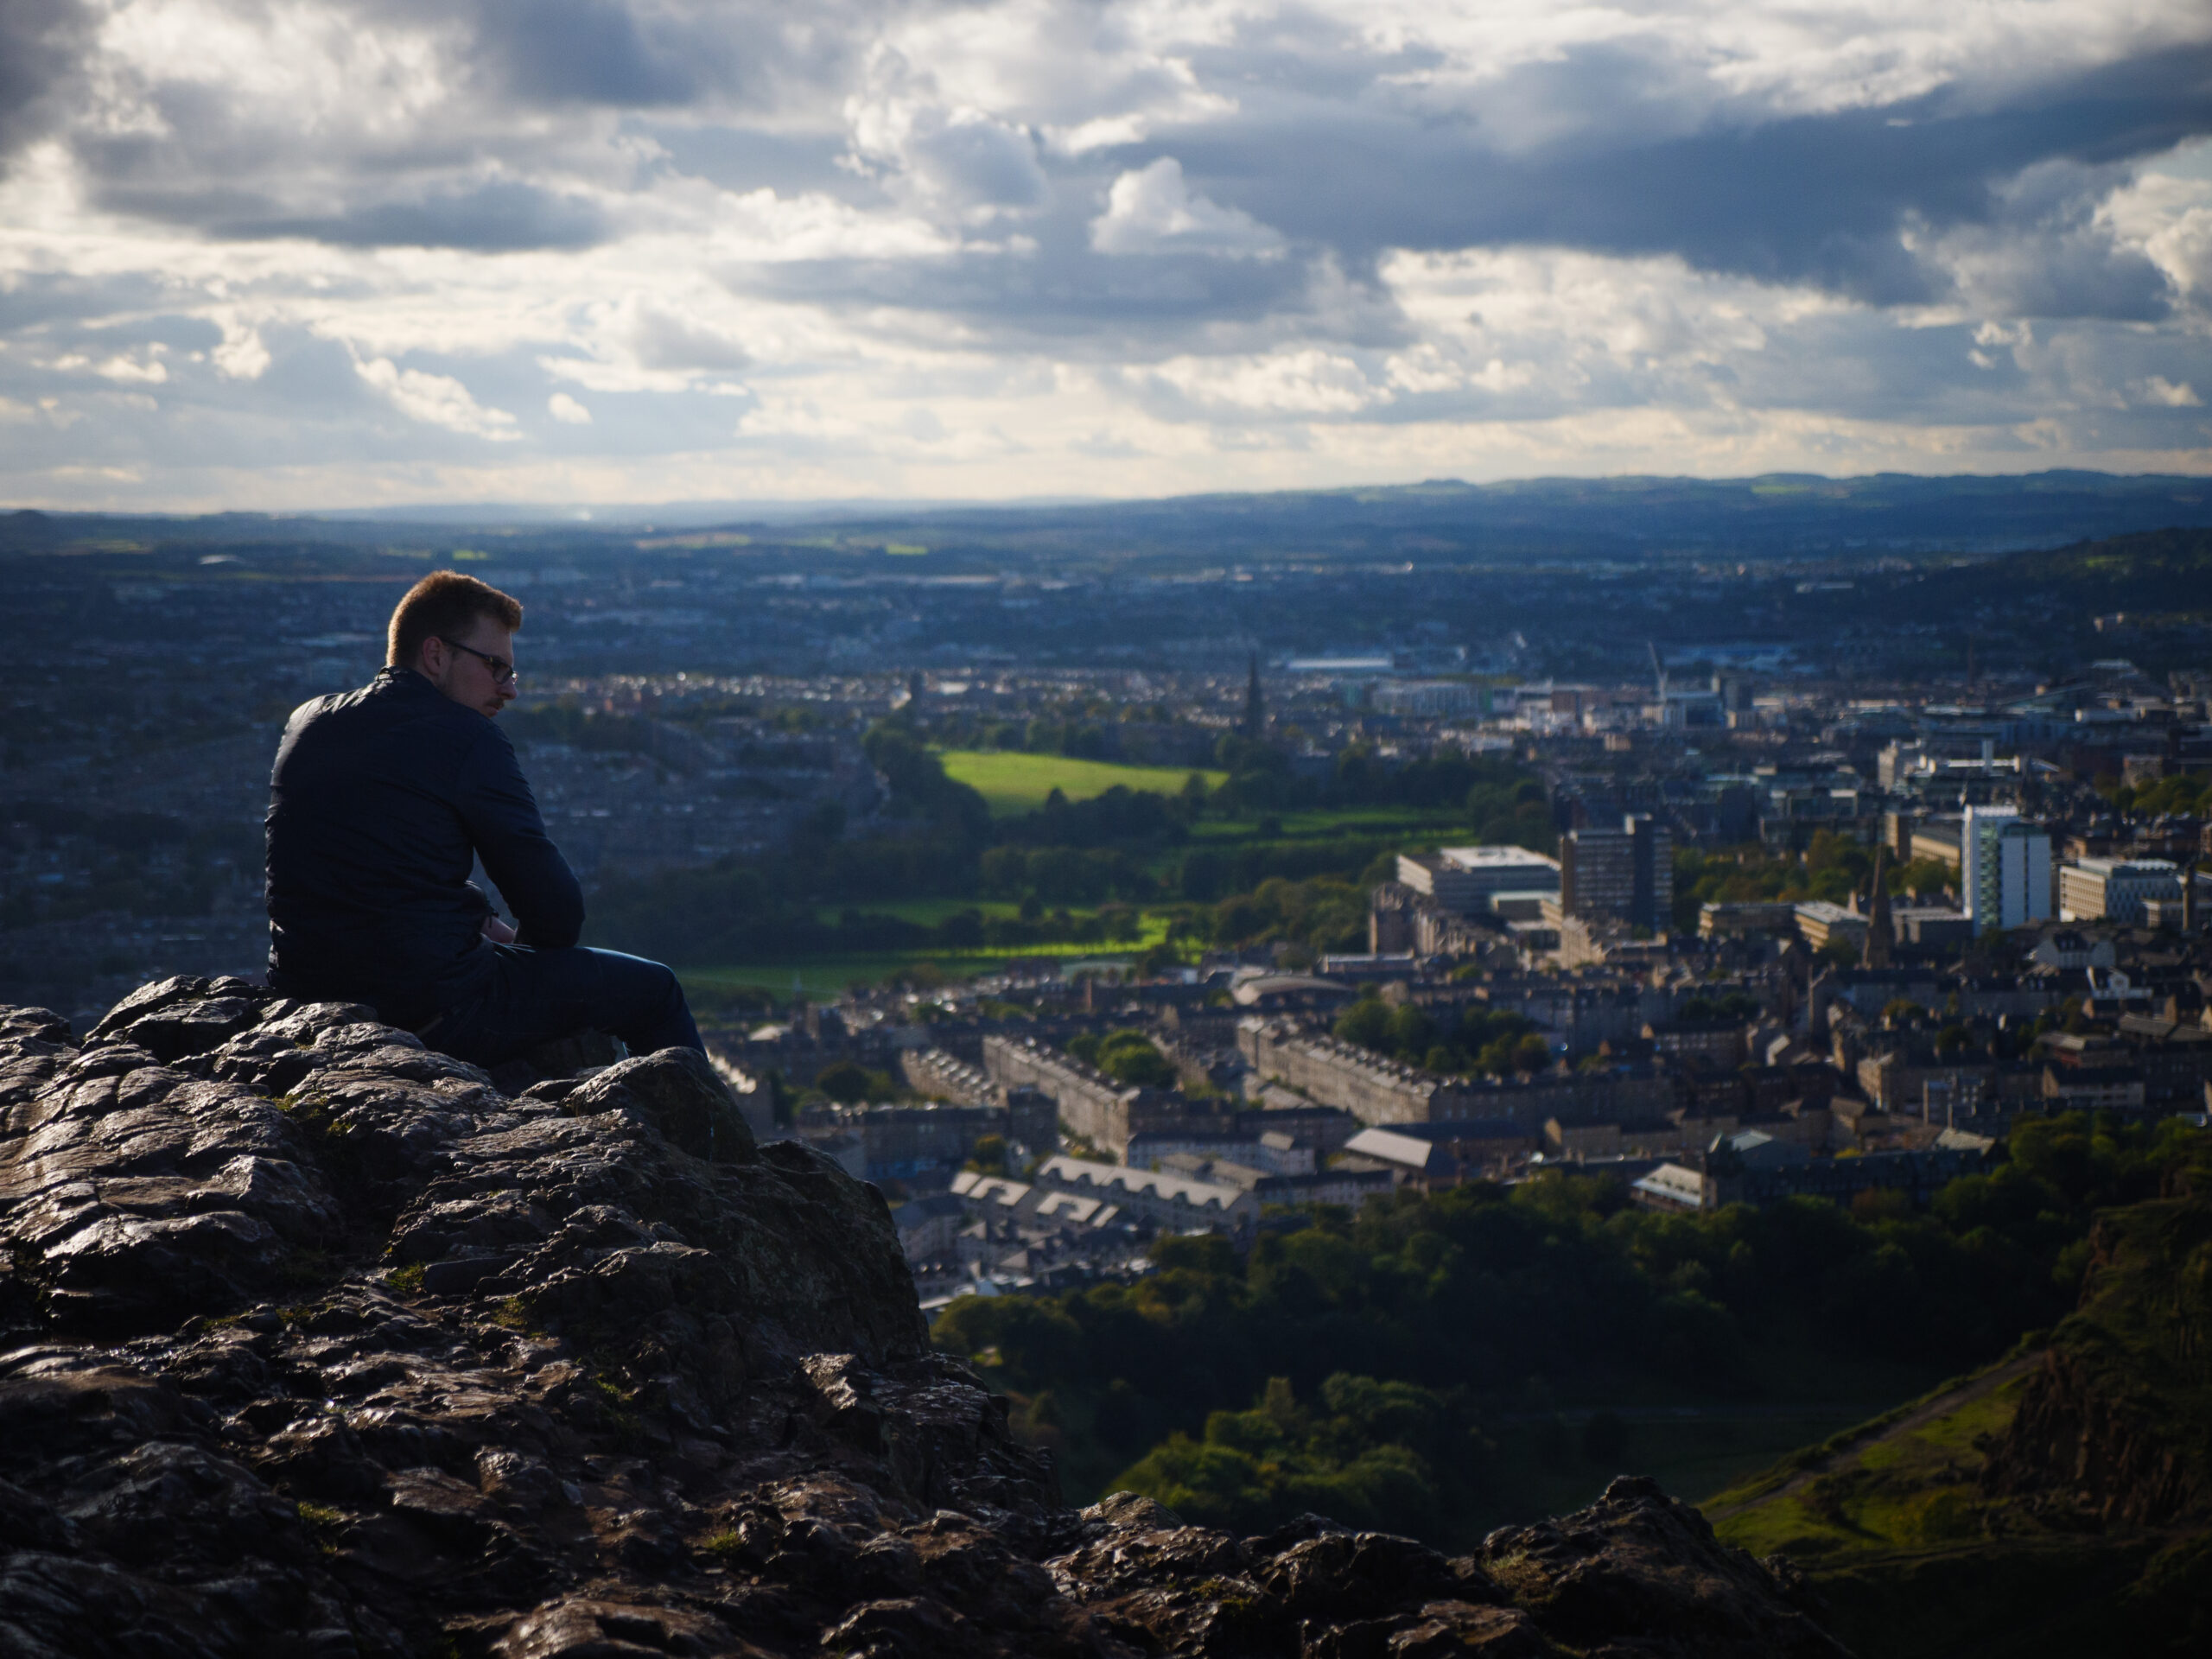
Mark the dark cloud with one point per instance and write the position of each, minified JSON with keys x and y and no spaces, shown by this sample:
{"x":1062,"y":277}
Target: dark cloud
{"x":491,"y":218}
{"x":591,"y":52}
{"x":42,"y":47}
{"x":1062,"y":293}
{"x":1817,"y":199}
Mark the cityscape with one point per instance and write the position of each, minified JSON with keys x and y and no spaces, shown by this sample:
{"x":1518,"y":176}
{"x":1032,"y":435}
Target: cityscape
{"x":1377,"y":878}
{"x":1088,"y":907}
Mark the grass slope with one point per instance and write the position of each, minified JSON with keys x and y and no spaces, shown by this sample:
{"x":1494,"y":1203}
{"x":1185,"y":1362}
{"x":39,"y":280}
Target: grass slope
{"x":826,"y":976}
{"x":1977,"y":1523}
{"x":1013,"y":783}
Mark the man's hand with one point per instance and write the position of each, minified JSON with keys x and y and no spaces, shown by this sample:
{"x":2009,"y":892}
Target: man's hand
{"x":498,"y":932}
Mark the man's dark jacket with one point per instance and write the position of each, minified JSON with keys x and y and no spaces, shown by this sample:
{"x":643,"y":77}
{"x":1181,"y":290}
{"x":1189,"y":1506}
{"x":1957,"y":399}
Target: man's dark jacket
{"x":380,"y":802}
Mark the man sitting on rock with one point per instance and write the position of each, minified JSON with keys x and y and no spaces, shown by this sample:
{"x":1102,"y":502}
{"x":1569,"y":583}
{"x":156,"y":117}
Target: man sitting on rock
{"x":382,"y":800}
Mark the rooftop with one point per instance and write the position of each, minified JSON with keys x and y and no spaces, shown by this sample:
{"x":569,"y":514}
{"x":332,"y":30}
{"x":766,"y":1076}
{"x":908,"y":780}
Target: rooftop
{"x":1497,"y":858}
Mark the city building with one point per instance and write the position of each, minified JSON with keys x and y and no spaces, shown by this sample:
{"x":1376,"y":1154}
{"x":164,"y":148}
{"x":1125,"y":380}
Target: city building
{"x":1745,"y":1175}
{"x":1818,"y":922}
{"x":1169,"y":1201}
{"x":2115,"y":889}
{"x":1091,"y":1105}
{"x":903,"y":1142}
{"x":2005,"y":877}
{"x":1741,"y":919}
{"x":1465,"y":879}
{"x":1373,"y":1088}
{"x":1931,"y":926}
{"x":1429,"y":699}
{"x":1936,"y":840}
{"x":1429,"y":1157}
{"x":1625,"y":874}
{"x":927,"y":1226}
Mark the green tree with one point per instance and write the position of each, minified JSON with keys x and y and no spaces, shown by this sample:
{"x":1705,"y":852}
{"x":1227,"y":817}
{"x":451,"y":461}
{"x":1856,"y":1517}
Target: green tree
{"x":1366,"y":1022}
{"x":848,"y":1083}
{"x":1130,"y":1057}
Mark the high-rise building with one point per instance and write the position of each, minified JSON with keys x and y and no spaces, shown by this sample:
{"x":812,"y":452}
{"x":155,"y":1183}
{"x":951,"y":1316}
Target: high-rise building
{"x":1627,"y":874}
{"x":2005,"y":868}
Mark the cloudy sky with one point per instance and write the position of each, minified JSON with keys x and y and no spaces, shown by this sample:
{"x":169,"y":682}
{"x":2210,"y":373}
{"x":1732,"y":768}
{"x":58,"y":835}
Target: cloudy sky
{"x":255,"y":254}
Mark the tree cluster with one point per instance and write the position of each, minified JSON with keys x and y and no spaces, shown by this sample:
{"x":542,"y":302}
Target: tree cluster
{"x":1474,"y":1038}
{"x":1484,"y":1288}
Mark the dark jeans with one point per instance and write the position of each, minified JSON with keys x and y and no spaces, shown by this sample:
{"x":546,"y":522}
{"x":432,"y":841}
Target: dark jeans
{"x":541,"y":996}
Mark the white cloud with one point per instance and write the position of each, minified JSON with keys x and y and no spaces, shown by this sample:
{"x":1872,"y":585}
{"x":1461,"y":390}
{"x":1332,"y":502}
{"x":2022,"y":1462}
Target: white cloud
{"x":1162,"y":243}
{"x":148,"y":370}
{"x":1152,"y":210}
{"x":242,"y":355}
{"x":1304,"y":382}
{"x":435,"y":400}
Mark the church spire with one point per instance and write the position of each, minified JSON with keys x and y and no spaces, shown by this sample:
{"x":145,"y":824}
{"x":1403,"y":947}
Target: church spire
{"x":1879,"y":937}
{"x":1255,"y":724}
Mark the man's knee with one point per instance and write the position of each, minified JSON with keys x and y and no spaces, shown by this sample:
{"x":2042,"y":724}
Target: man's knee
{"x":650,"y":982}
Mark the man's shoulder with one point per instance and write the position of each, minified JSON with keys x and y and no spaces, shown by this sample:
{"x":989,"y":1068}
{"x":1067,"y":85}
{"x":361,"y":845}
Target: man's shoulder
{"x":399,"y":705}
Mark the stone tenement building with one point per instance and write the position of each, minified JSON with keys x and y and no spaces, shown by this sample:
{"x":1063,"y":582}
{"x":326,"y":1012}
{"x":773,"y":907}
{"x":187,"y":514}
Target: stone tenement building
{"x":1399,"y":919}
{"x":899,"y":1143}
{"x":1620,"y":1095}
{"x":1032,"y":1117}
{"x":1372,"y":1089}
{"x":934,"y":1072}
{"x":1090,"y":1104}
{"x":1379,"y":1091}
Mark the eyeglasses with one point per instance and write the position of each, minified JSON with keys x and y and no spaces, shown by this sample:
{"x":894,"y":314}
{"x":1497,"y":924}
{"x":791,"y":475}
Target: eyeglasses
{"x":502,"y":669}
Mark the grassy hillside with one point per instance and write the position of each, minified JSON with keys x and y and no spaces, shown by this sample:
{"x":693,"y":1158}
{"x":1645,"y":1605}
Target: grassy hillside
{"x":1015,"y":783}
{"x":2059,"y":1503}
{"x":2157,"y":572}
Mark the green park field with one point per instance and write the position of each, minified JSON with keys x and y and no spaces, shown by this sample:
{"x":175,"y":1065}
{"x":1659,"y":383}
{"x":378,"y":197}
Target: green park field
{"x":822,"y":977}
{"x":1015,"y":783}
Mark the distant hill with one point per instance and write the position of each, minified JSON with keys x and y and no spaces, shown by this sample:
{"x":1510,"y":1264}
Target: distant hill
{"x":1630,"y":517}
{"x":1438,"y":521}
{"x":2058,"y":1503}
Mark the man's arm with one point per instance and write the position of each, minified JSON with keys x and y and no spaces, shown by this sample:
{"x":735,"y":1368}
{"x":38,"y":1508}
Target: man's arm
{"x":519,"y":856}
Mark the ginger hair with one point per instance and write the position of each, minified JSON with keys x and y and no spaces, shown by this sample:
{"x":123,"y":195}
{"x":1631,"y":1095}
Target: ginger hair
{"x":444,"y":602}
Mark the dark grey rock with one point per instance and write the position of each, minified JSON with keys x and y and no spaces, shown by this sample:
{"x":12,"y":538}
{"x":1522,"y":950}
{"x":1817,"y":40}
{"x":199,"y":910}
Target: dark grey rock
{"x":314,"y":1342}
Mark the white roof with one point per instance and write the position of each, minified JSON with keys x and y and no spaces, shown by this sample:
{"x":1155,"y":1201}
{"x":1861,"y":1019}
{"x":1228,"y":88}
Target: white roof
{"x":1385,"y":1147}
{"x":1675,"y":1183}
{"x":1497,"y":858}
{"x":1821,"y":909}
{"x":979,"y":1188}
{"x":1108,"y":1178}
{"x":1074,"y":1207}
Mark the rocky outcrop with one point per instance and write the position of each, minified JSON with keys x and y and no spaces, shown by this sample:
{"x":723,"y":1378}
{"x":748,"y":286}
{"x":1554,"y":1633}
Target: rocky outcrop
{"x":314,"y":1342}
{"x":2114,"y":1424}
